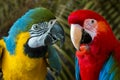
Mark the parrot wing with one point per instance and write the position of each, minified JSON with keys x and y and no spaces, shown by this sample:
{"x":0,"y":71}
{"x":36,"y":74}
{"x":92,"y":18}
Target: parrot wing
{"x":105,"y":73}
{"x":53,"y":62}
{"x":77,"y":69}
{"x":110,"y":70}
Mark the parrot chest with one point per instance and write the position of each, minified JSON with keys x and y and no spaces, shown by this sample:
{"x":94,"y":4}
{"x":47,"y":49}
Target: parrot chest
{"x":90,"y":65}
{"x":21,"y":67}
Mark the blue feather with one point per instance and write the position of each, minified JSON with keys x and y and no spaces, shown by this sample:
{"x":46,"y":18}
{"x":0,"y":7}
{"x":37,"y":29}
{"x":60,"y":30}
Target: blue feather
{"x":19,"y":26}
{"x":105,"y":73}
{"x":77,"y":70}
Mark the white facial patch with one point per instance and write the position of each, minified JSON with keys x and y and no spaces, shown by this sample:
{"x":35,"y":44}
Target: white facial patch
{"x":90,"y":26}
{"x":35,"y":42}
{"x":92,"y":33}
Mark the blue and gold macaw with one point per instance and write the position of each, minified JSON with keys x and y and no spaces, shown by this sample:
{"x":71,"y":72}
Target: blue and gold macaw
{"x":23,"y":52}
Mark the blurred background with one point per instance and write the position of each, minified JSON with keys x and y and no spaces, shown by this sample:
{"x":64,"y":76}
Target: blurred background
{"x":11,"y":10}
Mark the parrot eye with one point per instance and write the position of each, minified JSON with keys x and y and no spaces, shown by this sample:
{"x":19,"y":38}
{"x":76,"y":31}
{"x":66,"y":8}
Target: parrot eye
{"x":35,"y":26}
{"x":92,"y":21}
{"x":90,"y":24}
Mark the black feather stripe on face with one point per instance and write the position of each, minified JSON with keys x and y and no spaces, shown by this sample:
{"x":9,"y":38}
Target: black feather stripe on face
{"x":35,"y":52}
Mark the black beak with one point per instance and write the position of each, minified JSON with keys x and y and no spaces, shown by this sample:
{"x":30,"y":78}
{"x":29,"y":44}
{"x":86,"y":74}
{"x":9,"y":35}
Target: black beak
{"x":86,"y":38}
{"x":56,"y":33}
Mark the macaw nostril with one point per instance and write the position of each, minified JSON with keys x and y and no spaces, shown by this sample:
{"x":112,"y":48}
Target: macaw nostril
{"x":86,"y":38}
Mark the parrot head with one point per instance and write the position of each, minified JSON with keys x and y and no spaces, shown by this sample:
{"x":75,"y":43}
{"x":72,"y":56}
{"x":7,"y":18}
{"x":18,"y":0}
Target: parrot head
{"x":42,"y":27}
{"x":88,"y":28}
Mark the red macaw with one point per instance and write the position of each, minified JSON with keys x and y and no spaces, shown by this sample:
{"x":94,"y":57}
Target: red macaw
{"x":98,"y":51}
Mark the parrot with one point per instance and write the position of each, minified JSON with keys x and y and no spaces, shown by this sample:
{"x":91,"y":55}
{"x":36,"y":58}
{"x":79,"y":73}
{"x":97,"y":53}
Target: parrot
{"x":28,"y":51}
{"x":97,"y":54}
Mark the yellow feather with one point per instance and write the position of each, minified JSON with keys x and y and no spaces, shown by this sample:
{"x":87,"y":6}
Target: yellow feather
{"x":19,"y":66}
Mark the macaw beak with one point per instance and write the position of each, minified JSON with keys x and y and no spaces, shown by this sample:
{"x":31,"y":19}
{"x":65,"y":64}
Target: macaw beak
{"x":76,"y":35}
{"x":79,"y":36}
{"x":56,"y":33}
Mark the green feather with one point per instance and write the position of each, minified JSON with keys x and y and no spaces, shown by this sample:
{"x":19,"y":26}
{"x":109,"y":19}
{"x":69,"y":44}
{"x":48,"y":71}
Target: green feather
{"x":42,"y":14}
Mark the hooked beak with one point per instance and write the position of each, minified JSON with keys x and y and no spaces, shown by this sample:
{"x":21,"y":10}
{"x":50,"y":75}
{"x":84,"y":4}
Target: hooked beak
{"x":76,"y":35}
{"x":79,"y":36}
{"x":55,"y":33}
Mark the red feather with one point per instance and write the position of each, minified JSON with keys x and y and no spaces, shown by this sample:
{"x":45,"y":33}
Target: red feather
{"x":92,"y":59}
{"x":78,"y":17}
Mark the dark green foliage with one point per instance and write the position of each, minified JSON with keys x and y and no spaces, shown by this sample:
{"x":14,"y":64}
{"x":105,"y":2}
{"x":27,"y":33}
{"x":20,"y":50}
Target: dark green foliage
{"x":10,"y":10}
